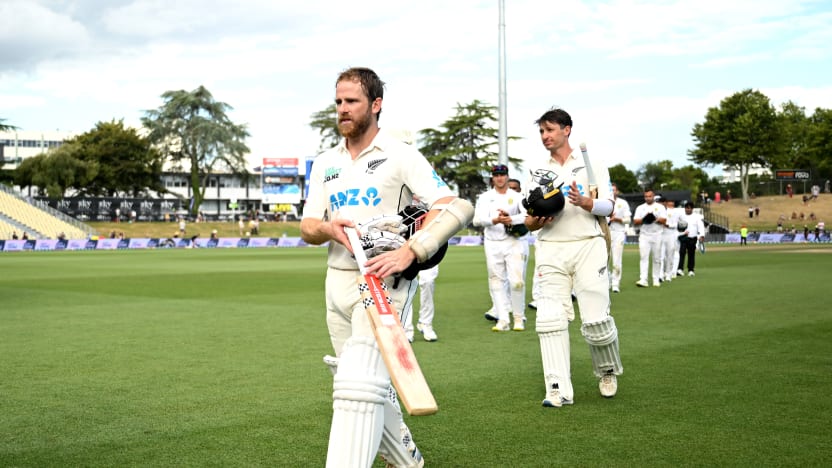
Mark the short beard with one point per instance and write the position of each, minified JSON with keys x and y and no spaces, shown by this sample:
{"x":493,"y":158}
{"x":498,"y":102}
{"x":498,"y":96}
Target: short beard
{"x":358,"y":127}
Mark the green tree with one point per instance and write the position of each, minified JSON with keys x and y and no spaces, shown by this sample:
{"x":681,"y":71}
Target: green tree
{"x":741,"y":133}
{"x":656,"y":175}
{"x":326,"y":123}
{"x":6,"y":127}
{"x":194,"y":132}
{"x":624,"y":179}
{"x":688,"y":178}
{"x":465,"y":147}
{"x":56,"y":171}
{"x":819,"y":143}
{"x":127,"y":162}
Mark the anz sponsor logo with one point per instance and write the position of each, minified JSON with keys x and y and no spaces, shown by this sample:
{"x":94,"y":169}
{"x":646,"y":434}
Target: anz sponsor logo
{"x":566,"y":188}
{"x":354,"y":197}
{"x":331,"y":173}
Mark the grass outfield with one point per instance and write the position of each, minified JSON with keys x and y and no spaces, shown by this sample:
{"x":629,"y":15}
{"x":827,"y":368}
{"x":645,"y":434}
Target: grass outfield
{"x":212,"y":357}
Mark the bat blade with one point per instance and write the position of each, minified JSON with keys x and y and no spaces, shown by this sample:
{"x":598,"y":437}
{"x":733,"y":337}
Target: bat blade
{"x":395,"y":349}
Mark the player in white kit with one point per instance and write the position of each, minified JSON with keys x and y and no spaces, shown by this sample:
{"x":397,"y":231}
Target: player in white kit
{"x":572,"y":255}
{"x":366,"y":176}
{"x":618,"y":221}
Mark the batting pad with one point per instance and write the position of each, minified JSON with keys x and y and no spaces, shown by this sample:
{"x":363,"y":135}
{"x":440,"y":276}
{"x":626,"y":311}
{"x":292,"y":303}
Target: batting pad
{"x":360,"y":390}
{"x":603,"y":346}
{"x":397,"y":445}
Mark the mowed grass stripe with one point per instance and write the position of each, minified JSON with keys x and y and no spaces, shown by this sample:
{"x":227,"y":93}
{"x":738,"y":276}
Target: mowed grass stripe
{"x":219,"y":365}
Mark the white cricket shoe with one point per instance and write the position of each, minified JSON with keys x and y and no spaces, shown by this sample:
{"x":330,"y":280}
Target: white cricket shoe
{"x":615,"y":289}
{"x":533,"y":305}
{"x":519,"y":323}
{"x":642,"y":284}
{"x":427,"y":331}
{"x":690,"y":273}
{"x":657,"y":285}
{"x":680,"y":273}
{"x":490,"y":316}
{"x":409,"y":335}
{"x":608,"y":385}
{"x":501,"y":326}
{"x":554,"y":399}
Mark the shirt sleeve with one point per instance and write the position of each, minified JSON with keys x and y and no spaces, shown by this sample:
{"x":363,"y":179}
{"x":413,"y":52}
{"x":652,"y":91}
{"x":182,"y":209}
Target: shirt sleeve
{"x":315,"y":205}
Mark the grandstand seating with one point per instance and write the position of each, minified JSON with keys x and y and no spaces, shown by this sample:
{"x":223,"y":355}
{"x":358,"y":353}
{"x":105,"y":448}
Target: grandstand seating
{"x":41,"y":224}
{"x":6,"y":230}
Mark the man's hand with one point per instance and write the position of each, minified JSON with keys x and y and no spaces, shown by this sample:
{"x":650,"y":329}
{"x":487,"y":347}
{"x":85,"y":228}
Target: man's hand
{"x":336,"y":231}
{"x":537,"y":222}
{"x":577,"y":199}
{"x":502,"y":218}
{"x":390,"y":263}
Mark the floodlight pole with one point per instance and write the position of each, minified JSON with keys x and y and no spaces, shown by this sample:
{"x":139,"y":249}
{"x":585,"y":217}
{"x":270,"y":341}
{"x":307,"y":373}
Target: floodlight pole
{"x":502,"y":136}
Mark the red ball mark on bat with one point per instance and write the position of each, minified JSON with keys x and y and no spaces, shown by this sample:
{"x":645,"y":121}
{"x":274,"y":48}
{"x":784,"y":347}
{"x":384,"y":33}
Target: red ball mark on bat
{"x":403,"y":355}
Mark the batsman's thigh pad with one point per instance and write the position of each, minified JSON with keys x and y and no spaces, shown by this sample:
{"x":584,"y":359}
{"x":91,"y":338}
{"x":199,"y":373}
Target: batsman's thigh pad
{"x":451,"y":218}
{"x":359,"y":393}
{"x":591,"y":281}
{"x":602,"y":338}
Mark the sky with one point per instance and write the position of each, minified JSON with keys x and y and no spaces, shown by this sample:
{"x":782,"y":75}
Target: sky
{"x":636,"y":76}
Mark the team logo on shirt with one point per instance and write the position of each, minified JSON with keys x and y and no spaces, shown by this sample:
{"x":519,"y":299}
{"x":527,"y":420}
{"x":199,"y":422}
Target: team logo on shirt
{"x":575,"y":171}
{"x":354,"y":197}
{"x":374,"y":164}
{"x":331,"y":173}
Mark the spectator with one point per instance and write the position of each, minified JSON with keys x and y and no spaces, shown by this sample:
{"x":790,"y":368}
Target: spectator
{"x":728,"y":195}
{"x":132,"y":216}
{"x":182,"y":226}
{"x":25,"y":236}
{"x":757,"y":210}
{"x":242,"y":225}
{"x":750,"y":211}
{"x":14,"y":235}
{"x":789,"y":190}
{"x":805,"y":233}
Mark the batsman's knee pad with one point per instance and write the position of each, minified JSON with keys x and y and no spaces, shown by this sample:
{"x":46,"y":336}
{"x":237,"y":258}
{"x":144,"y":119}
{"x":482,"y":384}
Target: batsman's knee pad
{"x":602,"y":338}
{"x":359,"y":393}
{"x":397,"y":446}
{"x":551,"y":316}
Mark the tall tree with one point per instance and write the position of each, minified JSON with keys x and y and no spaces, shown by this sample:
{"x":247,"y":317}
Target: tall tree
{"x":742,"y":132}
{"x":194,"y":132}
{"x":465,"y":147}
{"x":127,"y":162}
{"x":626,"y":181}
{"x":326,"y":123}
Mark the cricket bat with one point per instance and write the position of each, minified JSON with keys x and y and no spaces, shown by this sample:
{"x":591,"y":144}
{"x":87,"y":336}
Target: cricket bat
{"x":593,"y":192}
{"x":395,"y":349}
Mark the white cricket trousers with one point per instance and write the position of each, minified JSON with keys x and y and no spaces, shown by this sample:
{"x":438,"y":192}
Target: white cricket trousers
{"x":345,"y":313}
{"x":577,"y":265}
{"x":617,"y":239}
{"x":505,"y":260}
{"x":670,"y":242}
{"x":427,"y":284}
{"x":650,"y":245}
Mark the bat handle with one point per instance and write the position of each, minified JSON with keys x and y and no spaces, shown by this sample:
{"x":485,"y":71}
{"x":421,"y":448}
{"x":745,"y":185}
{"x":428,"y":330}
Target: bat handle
{"x":357,"y":249}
